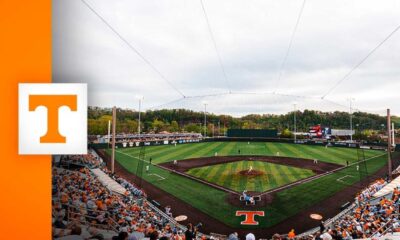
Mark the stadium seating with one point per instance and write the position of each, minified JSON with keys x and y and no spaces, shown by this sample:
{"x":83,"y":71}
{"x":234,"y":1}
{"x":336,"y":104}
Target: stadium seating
{"x":366,"y":219}
{"x":81,"y":199}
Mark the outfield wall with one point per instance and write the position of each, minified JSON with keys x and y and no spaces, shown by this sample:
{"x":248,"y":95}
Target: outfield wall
{"x":285,"y":140}
{"x":374,"y":146}
{"x":253,"y":133}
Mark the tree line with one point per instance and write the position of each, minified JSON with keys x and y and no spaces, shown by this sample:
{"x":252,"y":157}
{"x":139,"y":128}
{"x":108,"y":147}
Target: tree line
{"x":179,"y":120}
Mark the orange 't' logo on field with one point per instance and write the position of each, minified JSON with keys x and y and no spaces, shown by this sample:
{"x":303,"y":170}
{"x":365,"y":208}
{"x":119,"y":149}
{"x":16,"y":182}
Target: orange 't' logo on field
{"x":52,"y":103}
{"x":249,"y":216}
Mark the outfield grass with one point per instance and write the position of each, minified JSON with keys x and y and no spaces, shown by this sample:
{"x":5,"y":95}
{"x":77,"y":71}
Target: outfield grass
{"x":227,"y":175}
{"x":166,"y":153}
{"x":285,"y":204}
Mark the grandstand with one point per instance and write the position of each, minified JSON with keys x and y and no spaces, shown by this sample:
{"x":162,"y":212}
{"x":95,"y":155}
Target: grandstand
{"x":151,"y":138}
{"x":104,"y":206}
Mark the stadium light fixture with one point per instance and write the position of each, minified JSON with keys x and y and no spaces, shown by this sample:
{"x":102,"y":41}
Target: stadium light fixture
{"x":205,"y":118}
{"x":351,"y":118}
{"x":294,"y":121}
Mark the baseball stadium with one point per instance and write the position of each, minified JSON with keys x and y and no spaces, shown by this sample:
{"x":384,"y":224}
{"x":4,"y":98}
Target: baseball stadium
{"x":231,"y":120}
{"x":214,"y":182}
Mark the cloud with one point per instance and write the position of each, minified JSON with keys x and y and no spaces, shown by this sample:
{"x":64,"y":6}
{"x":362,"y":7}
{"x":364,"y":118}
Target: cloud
{"x":252,"y":38}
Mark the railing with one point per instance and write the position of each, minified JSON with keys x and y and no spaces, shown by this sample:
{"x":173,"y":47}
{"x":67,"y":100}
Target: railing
{"x":328,"y":222}
{"x":164,"y":215}
{"x":218,"y":236}
{"x":78,"y":162}
{"x":383,"y":227}
{"x":74,"y":215}
{"x":171,"y":219}
{"x":110,"y":223}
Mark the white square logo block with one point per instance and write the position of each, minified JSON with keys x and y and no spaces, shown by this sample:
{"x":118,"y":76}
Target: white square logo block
{"x":52,"y":118}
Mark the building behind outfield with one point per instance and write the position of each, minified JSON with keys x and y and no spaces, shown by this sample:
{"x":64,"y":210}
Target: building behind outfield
{"x":252,"y":133}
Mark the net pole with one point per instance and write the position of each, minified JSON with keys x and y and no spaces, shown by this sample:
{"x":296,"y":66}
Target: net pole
{"x":109,"y":134}
{"x":389,"y":145}
{"x":114,"y":120}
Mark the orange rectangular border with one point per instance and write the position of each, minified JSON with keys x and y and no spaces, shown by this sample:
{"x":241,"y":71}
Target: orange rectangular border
{"x":25,"y":181}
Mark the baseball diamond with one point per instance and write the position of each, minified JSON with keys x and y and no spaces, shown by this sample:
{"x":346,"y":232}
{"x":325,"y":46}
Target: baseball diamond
{"x":233,"y":175}
{"x":203,"y":180}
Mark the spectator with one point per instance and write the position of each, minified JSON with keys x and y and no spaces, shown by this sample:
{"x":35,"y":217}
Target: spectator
{"x":321,"y":226}
{"x":190,"y":232}
{"x":76,"y":232}
{"x":86,"y":199}
{"x":250,"y":236}
{"x":233,"y":236}
{"x":276,"y":237}
{"x":291,"y":234}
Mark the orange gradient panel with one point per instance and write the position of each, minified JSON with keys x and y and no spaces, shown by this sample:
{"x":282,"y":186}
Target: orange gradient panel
{"x":25,"y":181}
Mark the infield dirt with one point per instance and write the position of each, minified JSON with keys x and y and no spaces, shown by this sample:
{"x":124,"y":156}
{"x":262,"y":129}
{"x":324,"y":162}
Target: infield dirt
{"x":300,"y":222}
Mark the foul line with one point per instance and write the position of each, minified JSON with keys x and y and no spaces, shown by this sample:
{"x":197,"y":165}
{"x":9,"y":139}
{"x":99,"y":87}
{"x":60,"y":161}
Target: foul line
{"x":185,"y":175}
{"x":345,"y":176}
{"x":155,"y":174}
{"x":132,"y":156}
{"x":200,"y":180}
{"x":317,"y":176}
{"x":266,"y":192}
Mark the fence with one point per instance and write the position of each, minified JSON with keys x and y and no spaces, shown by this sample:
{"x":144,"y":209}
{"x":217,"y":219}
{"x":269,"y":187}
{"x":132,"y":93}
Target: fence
{"x":172,"y":220}
{"x":329,"y":222}
{"x":76,"y":216}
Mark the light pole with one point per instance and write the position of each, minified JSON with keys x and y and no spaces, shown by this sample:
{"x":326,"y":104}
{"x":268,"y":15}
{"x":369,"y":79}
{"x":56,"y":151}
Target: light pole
{"x":393,"y":142}
{"x":140,"y":98}
{"x":219,"y":127}
{"x":114,"y":123}
{"x":205,"y":119}
{"x":359,"y":132}
{"x":109,"y":135}
{"x":351,"y":119}
{"x":389,"y":145}
{"x":294,"y":121}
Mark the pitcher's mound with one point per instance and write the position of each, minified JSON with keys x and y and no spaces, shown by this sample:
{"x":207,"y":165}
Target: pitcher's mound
{"x":251,"y":173}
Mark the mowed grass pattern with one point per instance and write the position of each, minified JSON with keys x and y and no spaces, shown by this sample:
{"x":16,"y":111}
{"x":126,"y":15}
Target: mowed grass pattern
{"x":227,"y":175}
{"x":166,"y":153}
{"x":212,"y":201}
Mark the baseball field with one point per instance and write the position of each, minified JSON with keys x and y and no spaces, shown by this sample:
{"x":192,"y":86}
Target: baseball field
{"x":321,"y":173}
{"x":267,"y":175}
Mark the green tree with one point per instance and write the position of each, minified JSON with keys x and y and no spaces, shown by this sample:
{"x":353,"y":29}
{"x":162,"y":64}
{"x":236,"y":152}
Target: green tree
{"x":158,"y":125}
{"x":174,"y":127}
{"x":192,"y":127}
{"x":286,"y":133}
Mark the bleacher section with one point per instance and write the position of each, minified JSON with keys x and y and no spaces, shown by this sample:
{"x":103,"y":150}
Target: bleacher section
{"x":388,"y":189}
{"x":108,"y":182}
{"x":101,"y":203}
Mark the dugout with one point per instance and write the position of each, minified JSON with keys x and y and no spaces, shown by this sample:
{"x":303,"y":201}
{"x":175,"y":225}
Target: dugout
{"x":252,"y":133}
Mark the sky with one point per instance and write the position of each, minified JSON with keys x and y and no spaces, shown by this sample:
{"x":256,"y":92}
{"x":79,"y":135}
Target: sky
{"x":251,"y":38}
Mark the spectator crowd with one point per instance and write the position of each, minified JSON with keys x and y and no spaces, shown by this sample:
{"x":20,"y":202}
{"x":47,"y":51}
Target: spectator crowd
{"x":366,"y":219}
{"x":80,"y":199}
